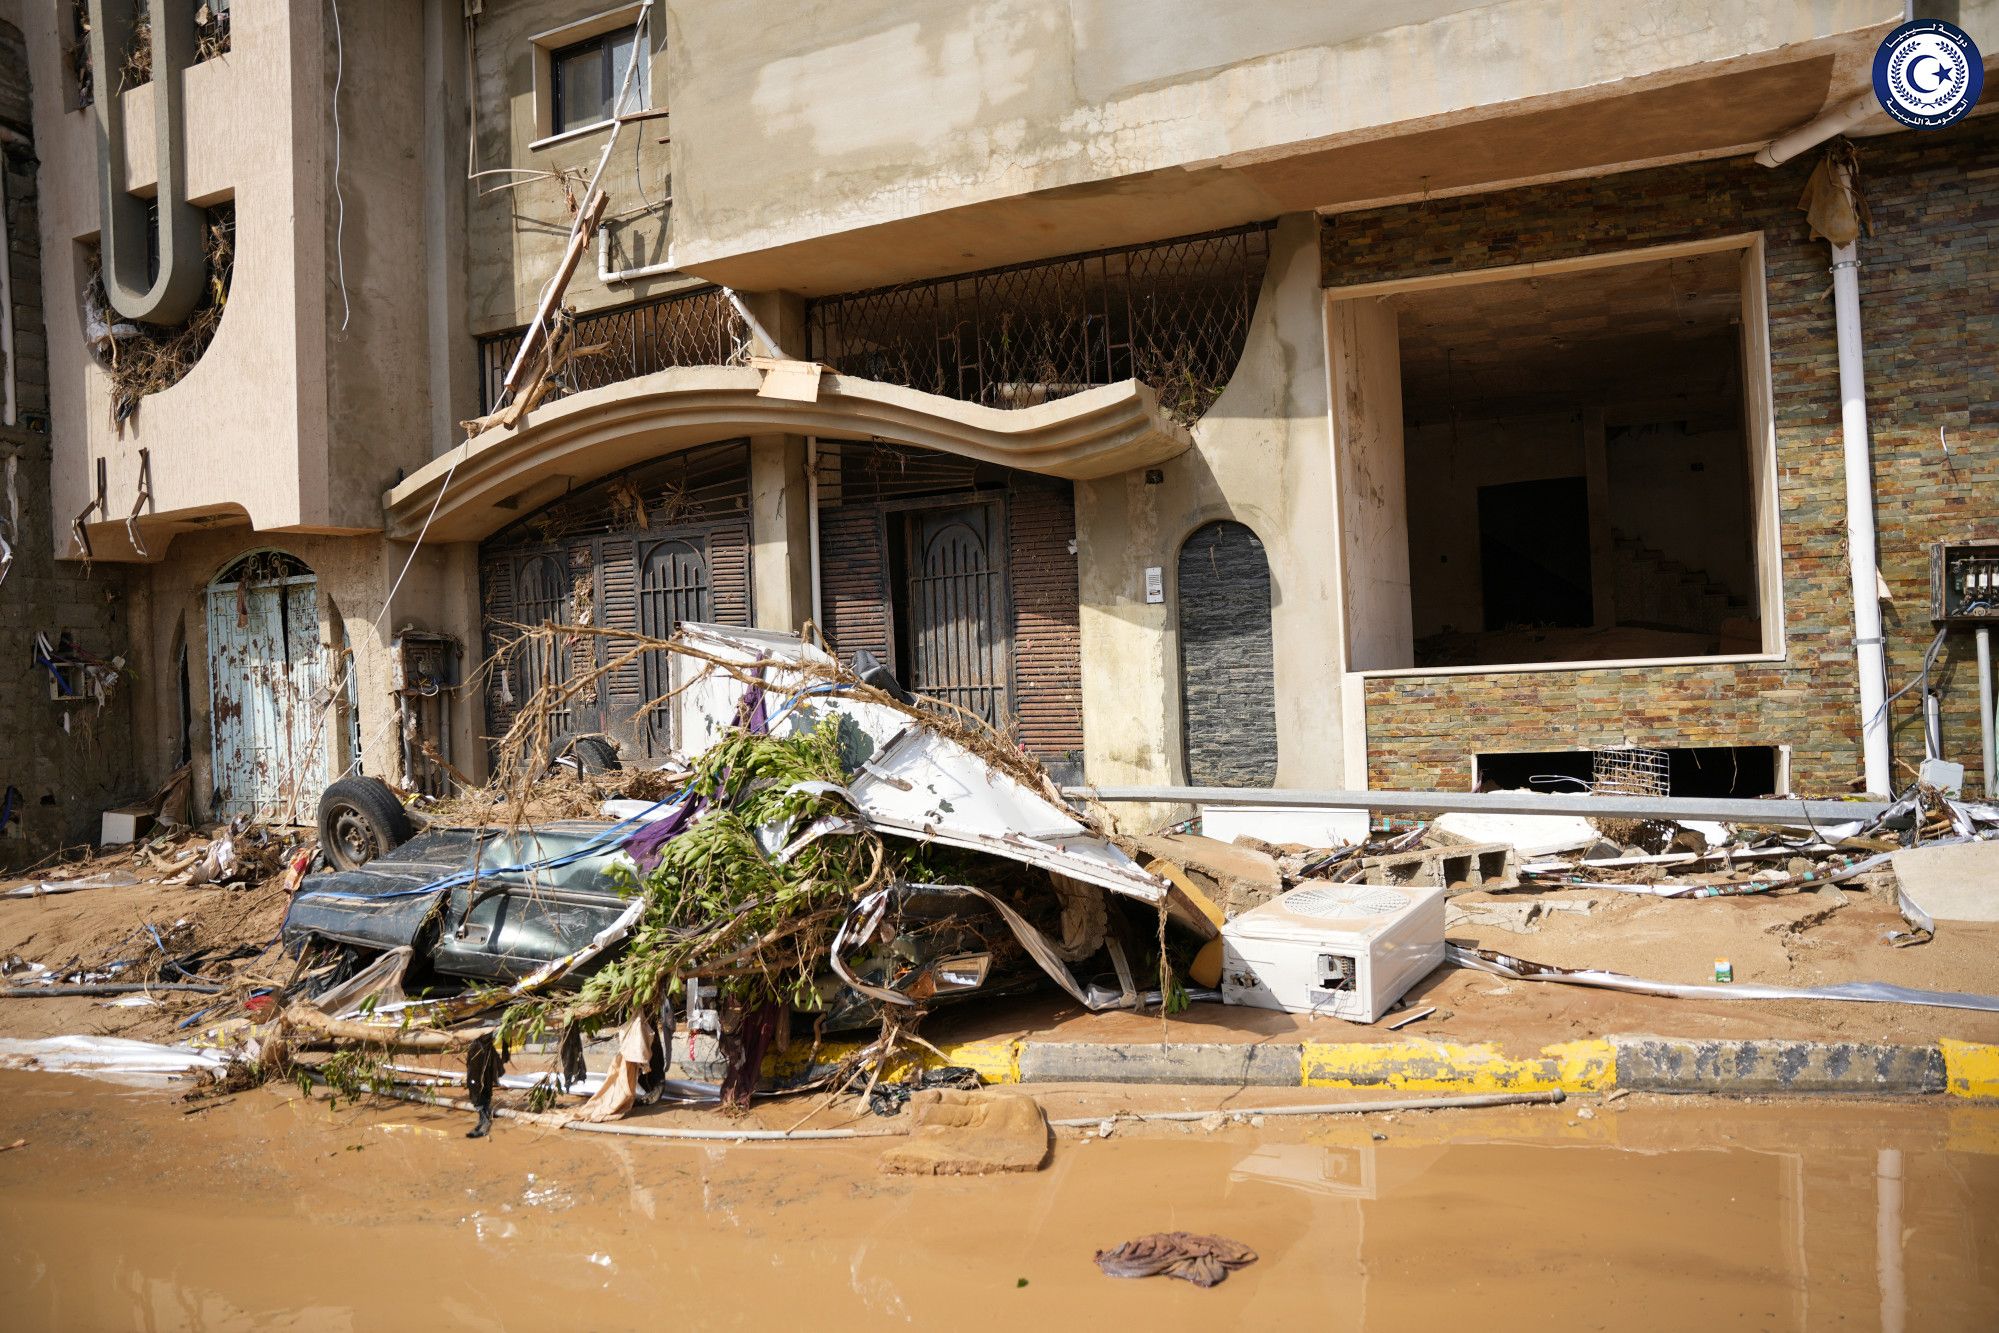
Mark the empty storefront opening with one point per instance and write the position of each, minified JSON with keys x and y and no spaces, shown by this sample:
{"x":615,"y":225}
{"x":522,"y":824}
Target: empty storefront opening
{"x":1715,"y":771}
{"x":1227,"y":663}
{"x":1577,"y":459}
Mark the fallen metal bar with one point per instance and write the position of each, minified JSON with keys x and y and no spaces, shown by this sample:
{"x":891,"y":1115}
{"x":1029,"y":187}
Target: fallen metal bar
{"x":107,"y":988}
{"x":1329,"y":1108}
{"x":1787,"y":811}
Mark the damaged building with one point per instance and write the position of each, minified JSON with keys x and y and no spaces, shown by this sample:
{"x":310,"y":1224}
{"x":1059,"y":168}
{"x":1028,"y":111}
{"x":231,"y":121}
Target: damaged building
{"x":1298,"y":399}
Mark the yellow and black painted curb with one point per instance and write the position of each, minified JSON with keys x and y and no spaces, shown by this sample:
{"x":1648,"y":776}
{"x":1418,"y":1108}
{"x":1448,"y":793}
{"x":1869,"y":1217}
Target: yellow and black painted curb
{"x":1638,"y":1063}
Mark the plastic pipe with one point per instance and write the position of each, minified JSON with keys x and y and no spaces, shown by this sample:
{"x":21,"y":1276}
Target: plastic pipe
{"x":812,"y":526}
{"x":1838,"y":120}
{"x":1870,"y":659}
{"x":1988,"y":741}
{"x":608,"y":275}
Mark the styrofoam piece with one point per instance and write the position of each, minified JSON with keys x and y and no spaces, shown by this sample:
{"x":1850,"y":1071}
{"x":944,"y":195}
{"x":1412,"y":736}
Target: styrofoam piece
{"x":1531,"y":835}
{"x":1343,"y":950}
{"x":119,"y":1059}
{"x":1283,"y":825}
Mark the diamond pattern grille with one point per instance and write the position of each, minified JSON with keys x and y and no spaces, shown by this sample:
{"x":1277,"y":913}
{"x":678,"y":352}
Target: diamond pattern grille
{"x":695,"y":329}
{"x":1173,"y":314}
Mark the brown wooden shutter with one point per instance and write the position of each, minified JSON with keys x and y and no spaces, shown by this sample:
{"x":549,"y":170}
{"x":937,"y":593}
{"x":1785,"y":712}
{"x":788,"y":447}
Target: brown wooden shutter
{"x":496,"y":594}
{"x":1047,"y":634}
{"x":729,"y":574}
{"x":853,"y":583}
{"x":617,"y":587}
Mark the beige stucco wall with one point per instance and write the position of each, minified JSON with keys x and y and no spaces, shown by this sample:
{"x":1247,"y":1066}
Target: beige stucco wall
{"x":288,"y":421}
{"x":805,"y":120}
{"x":1263,"y":457}
{"x":518,"y":222}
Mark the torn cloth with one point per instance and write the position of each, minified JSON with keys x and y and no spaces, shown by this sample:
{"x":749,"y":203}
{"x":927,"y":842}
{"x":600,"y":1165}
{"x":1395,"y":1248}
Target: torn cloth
{"x":1201,"y":1260}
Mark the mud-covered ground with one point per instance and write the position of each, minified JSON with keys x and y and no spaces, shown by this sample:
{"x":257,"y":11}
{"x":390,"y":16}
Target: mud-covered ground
{"x":1800,"y":939}
{"x":134,"y":1209}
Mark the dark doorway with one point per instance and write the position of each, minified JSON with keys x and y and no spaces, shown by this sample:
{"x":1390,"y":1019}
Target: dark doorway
{"x":1533,"y":546}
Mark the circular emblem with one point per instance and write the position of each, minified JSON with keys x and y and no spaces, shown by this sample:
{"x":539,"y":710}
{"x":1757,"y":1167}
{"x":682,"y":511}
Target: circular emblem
{"x":1928,"y":74}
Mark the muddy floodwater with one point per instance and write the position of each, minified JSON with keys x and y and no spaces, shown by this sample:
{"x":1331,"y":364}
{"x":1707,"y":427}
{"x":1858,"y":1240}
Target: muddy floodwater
{"x":127,"y":1210}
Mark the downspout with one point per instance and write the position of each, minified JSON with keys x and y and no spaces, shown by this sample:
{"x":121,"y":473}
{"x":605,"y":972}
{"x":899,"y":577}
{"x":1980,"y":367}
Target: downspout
{"x":1988,"y":742}
{"x":1863,"y":570}
{"x":812,"y":528}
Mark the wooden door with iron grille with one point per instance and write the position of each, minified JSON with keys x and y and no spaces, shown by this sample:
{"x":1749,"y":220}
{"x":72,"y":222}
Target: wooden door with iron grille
{"x":674,"y":588}
{"x":959,"y":624}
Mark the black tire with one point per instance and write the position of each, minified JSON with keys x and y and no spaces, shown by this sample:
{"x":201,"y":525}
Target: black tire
{"x":590,"y":754}
{"x":359,"y":819}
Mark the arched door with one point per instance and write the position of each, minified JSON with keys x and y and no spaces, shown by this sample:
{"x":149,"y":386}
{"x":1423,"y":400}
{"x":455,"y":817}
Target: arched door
{"x":958,"y":620}
{"x":673,"y":588}
{"x":1228,"y":711}
{"x":268,"y":711}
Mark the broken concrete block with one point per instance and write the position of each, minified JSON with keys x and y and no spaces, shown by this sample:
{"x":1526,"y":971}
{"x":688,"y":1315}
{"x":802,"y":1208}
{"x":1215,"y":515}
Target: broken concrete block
{"x":1487,"y":866}
{"x":1530,"y":835}
{"x":1957,"y":882}
{"x":1243,"y":877}
{"x":960,"y":1133}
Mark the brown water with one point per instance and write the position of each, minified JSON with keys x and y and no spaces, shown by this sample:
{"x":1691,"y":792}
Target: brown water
{"x":272,"y":1212}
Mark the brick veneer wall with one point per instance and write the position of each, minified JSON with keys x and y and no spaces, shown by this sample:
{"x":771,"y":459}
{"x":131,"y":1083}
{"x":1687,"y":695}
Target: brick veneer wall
{"x":65,"y":778}
{"x":1930,"y":309}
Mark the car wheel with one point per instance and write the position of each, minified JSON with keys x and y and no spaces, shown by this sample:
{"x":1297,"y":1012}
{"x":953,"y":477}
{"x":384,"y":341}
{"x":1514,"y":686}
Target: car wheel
{"x":590,"y":754}
{"x":359,"y":819}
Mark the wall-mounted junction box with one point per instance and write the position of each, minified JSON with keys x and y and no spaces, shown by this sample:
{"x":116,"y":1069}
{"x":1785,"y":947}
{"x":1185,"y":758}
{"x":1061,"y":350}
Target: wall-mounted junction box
{"x":1964,"y":583}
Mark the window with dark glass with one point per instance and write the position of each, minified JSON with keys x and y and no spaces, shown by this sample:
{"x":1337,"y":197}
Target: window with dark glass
{"x":586,"y":79}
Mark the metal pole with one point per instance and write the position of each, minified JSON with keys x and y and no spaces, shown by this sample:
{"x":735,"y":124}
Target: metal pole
{"x":1777,"y":810}
{"x":1987,"y":740}
{"x":1870,"y":659}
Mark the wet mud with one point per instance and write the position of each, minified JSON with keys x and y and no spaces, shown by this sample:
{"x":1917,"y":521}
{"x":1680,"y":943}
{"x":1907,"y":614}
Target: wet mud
{"x":130,"y":1209}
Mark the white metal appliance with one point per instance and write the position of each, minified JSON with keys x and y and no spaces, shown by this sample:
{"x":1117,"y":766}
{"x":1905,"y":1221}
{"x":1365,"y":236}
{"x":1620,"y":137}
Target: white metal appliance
{"x":1345,"y":950}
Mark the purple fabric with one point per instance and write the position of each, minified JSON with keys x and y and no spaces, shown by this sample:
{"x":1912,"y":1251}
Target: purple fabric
{"x":646,"y":845}
{"x":751,"y":715}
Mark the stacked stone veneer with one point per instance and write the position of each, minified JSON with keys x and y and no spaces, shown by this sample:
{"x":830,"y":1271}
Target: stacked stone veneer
{"x":1930,"y":309}
{"x":65,"y":778}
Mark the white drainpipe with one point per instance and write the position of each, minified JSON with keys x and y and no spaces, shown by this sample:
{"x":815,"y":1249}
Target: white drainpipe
{"x":608,"y":275}
{"x":812,"y":522}
{"x":1842,"y":119}
{"x":1863,"y":569}
{"x":1988,"y":743}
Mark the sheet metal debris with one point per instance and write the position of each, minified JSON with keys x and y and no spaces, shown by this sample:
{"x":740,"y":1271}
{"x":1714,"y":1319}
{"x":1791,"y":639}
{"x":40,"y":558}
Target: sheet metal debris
{"x":1867,"y":992}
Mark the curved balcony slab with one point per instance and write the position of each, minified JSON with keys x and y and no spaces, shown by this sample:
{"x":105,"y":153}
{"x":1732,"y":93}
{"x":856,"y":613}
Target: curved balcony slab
{"x":503,"y":471}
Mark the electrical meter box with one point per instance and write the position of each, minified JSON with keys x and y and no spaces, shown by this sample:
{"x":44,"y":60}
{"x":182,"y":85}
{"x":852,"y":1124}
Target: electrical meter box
{"x":1964,"y":583}
{"x":1344,"y":950}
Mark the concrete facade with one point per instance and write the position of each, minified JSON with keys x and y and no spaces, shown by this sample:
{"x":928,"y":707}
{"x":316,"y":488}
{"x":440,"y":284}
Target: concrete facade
{"x":64,"y":761}
{"x":402,"y":199}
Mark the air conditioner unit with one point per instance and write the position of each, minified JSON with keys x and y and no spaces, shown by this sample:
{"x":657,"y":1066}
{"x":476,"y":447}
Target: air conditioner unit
{"x":1344,"y":950}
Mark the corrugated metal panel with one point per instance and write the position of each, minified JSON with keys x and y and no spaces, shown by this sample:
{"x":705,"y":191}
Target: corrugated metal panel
{"x":853,"y":582}
{"x":1047,"y":632}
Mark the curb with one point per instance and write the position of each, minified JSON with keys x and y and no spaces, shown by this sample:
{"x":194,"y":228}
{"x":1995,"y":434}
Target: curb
{"x":1636,"y":1063}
